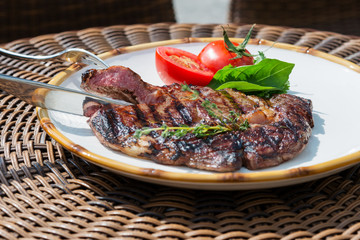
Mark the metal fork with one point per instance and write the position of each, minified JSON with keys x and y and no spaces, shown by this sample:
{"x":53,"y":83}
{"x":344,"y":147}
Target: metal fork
{"x":70,"y":55}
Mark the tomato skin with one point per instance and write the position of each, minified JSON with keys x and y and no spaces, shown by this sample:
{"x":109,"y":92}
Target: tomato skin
{"x":215,"y":56}
{"x":178,"y":66}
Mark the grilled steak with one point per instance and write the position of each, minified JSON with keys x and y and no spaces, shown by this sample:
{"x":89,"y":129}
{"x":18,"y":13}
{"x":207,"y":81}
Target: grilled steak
{"x":279,"y":128}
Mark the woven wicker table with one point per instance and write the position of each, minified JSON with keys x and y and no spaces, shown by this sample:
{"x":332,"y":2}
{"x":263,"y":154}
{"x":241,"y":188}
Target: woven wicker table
{"x":49,"y":193}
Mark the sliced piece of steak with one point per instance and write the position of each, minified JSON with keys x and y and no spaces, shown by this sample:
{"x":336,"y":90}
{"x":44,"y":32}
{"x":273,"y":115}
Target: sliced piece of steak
{"x":279,"y":127}
{"x":120,"y":82}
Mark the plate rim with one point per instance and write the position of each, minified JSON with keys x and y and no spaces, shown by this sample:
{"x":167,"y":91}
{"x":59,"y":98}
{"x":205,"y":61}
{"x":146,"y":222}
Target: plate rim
{"x":211,"y":177}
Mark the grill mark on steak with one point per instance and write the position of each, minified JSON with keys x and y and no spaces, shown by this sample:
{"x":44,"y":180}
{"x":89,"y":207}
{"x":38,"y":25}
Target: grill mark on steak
{"x":140,"y":115}
{"x":223,"y":104}
{"x":184,"y":112}
{"x":281,"y":133}
{"x":157,"y":116}
{"x":211,"y":154}
{"x":230,"y":103}
{"x":147,"y":114}
{"x":108,"y":125}
{"x":244,"y":103}
{"x":174,"y":116}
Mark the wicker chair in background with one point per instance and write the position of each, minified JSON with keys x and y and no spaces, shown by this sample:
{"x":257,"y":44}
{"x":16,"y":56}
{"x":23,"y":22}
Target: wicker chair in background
{"x":29,"y":18}
{"x":342,"y":16}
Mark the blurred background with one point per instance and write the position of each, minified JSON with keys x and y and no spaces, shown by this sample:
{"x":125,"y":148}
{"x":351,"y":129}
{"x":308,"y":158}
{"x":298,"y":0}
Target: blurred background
{"x":29,"y":18}
{"x":201,"y":11}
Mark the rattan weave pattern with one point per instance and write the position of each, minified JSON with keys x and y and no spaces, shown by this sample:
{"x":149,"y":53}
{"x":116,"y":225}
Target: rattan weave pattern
{"x":48,"y":193}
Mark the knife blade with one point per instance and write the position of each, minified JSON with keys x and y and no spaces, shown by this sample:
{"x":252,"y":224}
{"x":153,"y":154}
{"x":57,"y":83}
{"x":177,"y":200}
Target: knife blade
{"x":49,"y":96}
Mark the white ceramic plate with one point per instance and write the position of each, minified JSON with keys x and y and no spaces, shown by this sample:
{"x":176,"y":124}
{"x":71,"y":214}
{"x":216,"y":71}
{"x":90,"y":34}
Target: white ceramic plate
{"x":331,"y":83}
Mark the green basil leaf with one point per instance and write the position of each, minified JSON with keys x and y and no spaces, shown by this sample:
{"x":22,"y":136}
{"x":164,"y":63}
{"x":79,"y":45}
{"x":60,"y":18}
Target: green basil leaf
{"x":247,"y":87}
{"x":267,"y":75}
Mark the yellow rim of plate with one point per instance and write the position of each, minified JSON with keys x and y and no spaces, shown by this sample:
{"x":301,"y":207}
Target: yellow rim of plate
{"x":232,"y":177}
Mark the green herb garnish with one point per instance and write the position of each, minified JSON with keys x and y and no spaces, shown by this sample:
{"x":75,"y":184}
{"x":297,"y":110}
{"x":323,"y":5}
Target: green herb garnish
{"x":259,"y":57}
{"x":195,"y":94}
{"x":210,"y":108}
{"x":239,"y":50}
{"x":263,"y":79}
{"x":201,"y":130}
{"x":231,"y":123}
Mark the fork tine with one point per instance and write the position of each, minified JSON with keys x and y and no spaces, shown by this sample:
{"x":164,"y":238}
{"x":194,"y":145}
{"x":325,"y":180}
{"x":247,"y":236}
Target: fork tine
{"x":83,"y":56}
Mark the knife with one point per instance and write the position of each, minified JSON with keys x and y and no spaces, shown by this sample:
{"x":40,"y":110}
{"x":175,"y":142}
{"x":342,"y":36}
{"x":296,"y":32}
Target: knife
{"x":49,"y":96}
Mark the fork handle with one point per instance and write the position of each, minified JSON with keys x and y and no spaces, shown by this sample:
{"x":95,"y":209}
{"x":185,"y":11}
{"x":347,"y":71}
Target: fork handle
{"x":66,"y":55}
{"x":23,"y":56}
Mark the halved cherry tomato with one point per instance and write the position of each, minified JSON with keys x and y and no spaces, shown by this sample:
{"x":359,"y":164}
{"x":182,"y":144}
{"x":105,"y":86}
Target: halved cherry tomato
{"x":178,"y":66}
{"x":215,"y":56}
